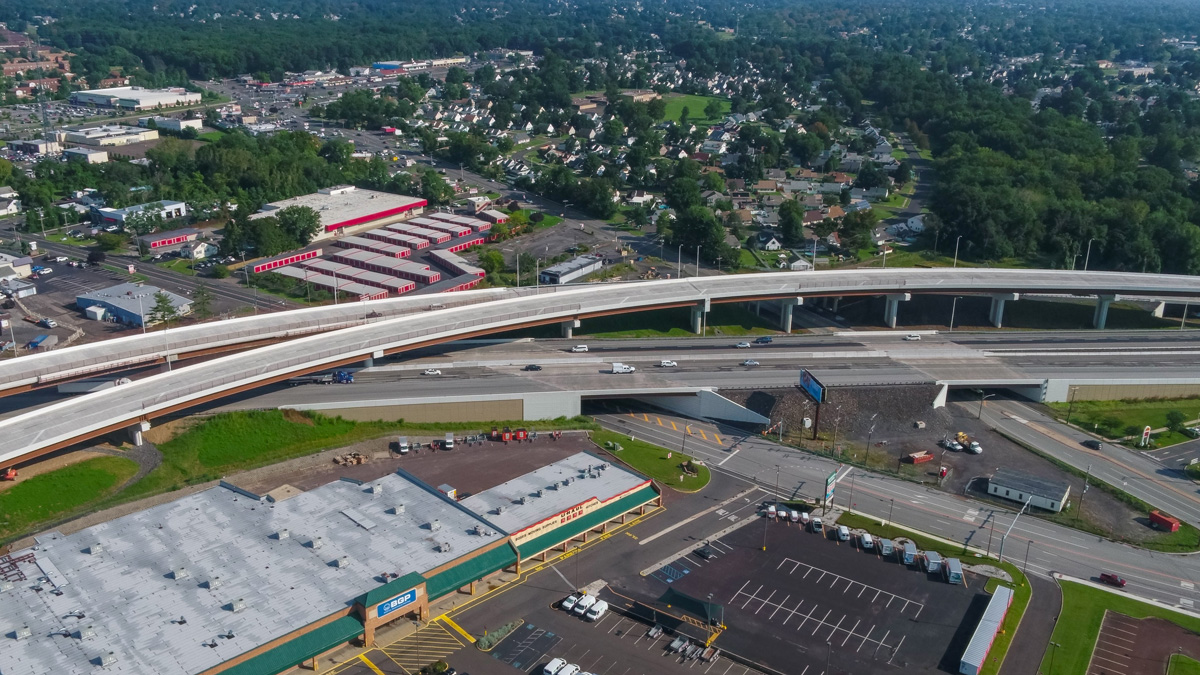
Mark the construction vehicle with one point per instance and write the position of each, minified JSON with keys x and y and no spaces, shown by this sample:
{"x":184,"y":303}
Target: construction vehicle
{"x":962,"y":437}
{"x":651,"y":273}
{"x":9,"y":474}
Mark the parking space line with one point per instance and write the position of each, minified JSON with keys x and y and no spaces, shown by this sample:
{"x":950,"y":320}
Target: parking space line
{"x":752,"y":596}
{"x":896,"y":649}
{"x":739,"y":591}
{"x":806,"y":617}
{"x":864,"y":640}
{"x":765,"y":602}
{"x":851,"y":633}
{"x":618,"y":623}
{"x":821,"y":622}
{"x":777,"y":608}
{"x":850,"y":583}
{"x":835,"y":628}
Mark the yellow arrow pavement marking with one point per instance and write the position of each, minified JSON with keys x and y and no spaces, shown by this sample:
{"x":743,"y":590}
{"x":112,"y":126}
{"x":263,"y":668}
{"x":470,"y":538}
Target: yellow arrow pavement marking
{"x":375,"y":669}
{"x":457,"y":628}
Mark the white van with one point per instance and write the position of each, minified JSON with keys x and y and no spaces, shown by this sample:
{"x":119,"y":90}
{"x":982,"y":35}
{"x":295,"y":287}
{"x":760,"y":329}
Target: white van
{"x":597,"y":611}
{"x":585,"y":603}
{"x":805,"y":519}
{"x":817,"y":526}
{"x":618,"y":368}
{"x":554,"y":666}
{"x":868,"y":542}
{"x":843,"y":533}
{"x":402,"y":445}
{"x":569,"y":669}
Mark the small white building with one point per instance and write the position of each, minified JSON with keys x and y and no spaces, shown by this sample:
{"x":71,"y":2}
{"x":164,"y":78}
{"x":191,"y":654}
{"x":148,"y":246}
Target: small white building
{"x":1043,"y":493}
{"x":199,"y":250}
{"x":800,"y":265}
{"x":86,"y":155}
{"x":176,"y":124}
{"x":10,"y":201}
{"x":916,"y":224}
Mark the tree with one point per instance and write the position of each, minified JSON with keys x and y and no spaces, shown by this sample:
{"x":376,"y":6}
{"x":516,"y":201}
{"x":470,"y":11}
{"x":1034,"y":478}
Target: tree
{"x":1175,"y":420}
{"x":299,"y":223}
{"x":491,"y":261}
{"x":656,"y":109}
{"x":791,"y":223}
{"x":163,"y":309}
{"x":148,"y":220}
{"x":202,"y":300}
{"x":109,"y":241}
{"x":220,"y":272}
{"x":683,"y":116}
{"x":33,"y":220}
{"x":96,"y":257}
{"x":713,"y":110}
{"x":903,"y":173}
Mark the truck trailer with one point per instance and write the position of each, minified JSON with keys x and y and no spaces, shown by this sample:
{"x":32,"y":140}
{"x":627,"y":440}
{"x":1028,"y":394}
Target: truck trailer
{"x":336,"y":377}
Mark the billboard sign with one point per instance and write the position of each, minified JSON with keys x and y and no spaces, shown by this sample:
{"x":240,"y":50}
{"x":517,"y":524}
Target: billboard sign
{"x":403,"y":600}
{"x":812,"y":386}
{"x":1146,"y":436}
{"x":830,"y":484}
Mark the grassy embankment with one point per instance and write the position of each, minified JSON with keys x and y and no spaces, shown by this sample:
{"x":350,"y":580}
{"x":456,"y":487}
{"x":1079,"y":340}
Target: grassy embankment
{"x":52,"y":496}
{"x":653,"y":461}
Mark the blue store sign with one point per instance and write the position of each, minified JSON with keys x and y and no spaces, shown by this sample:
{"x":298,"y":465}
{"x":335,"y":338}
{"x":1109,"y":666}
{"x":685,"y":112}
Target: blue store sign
{"x":402,"y":600}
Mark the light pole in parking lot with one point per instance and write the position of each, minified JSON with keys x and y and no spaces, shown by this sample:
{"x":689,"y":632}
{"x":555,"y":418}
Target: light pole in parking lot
{"x":956,"y":241}
{"x":697,"y":260}
{"x":766,"y":520}
{"x":679,"y":263}
{"x":982,"y":397}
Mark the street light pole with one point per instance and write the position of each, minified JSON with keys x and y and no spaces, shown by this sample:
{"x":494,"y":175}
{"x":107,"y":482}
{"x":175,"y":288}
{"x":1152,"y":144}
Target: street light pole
{"x":953,"y":309}
{"x":982,"y":397}
{"x":679,"y":263}
{"x":1013,"y":524}
{"x":697,"y":260}
{"x":1088,"y":257}
{"x":956,"y":250}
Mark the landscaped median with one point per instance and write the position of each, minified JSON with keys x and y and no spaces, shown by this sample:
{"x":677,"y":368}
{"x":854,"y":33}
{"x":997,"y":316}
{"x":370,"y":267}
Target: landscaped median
{"x":1020,"y":585}
{"x":663,"y":465}
{"x":1078,"y":628}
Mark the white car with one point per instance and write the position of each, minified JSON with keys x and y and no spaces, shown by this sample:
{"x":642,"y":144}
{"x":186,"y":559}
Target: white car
{"x":569,"y":669}
{"x":579,"y":348}
{"x":432,"y":371}
{"x":569,"y":602}
{"x":976,"y":448}
{"x":585,"y":603}
{"x":742,"y":345}
{"x":956,"y":446}
{"x":749,"y":362}
{"x":553,"y":667}
{"x":667,"y":364}
{"x":913,"y":337}
{"x":61,"y":259}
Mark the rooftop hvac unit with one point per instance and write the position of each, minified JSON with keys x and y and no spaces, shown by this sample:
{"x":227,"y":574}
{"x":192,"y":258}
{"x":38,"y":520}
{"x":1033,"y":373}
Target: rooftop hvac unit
{"x":398,"y":509}
{"x":342,"y":562}
{"x":499,"y":510}
{"x":283,"y":534}
{"x":316,"y":542}
{"x":524,"y":500}
{"x":85,"y":632}
{"x":95,"y":549}
{"x":106,"y":659}
{"x":541,"y":493}
{"x":214,"y":583}
{"x":435,"y":525}
{"x":23,"y":632}
{"x":237,"y":605}
{"x":180,"y":573}
{"x":6,"y":586}
{"x":444,"y":547}
{"x":376,"y":489}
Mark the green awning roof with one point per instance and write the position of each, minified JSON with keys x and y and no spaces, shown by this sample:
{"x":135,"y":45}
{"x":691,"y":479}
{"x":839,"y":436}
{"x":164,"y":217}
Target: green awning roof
{"x":300,"y":649}
{"x":472,"y":570}
{"x":580,"y":525}
{"x":390,"y":589}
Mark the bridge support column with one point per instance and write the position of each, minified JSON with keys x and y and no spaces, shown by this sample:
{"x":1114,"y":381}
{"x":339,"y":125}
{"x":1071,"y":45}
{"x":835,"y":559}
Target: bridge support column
{"x":785,"y":313}
{"x":136,"y":431}
{"x":833,"y":307}
{"x":893,"y":307}
{"x":568,"y":328}
{"x":996,"y":313}
{"x":698,"y":311}
{"x":1102,"y":304}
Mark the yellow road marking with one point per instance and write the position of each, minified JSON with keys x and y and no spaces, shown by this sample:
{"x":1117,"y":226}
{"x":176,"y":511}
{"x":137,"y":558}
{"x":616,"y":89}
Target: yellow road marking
{"x":631,"y":413}
{"x":370,"y":665}
{"x":458,"y":628}
{"x":703,"y":435}
{"x":719,"y":442}
{"x":689,"y":429}
{"x":659,"y":421}
{"x":673,"y":425}
{"x":645,"y":417}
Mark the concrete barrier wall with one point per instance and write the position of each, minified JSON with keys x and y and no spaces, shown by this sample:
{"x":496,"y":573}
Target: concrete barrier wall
{"x":705,"y":405}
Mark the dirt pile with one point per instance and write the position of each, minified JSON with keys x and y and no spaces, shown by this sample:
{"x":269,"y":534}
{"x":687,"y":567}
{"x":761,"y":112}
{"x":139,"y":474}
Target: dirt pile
{"x":897,"y":407}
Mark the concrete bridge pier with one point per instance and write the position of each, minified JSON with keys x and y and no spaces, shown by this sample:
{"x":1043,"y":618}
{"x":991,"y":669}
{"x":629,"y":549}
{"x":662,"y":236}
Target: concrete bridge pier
{"x":568,"y":327}
{"x":785,"y":313}
{"x":1101,"y":315}
{"x":996,"y":313}
{"x":698,"y":311}
{"x":136,"y":431}
{"x":893,"y":307}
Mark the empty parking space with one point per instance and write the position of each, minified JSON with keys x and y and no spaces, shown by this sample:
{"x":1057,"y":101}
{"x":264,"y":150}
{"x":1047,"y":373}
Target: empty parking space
{"x":804,"y":602}
{"x":526,"y":646}
{"x":430,"y":643}
{"x":1114,"y":646}
{"x":1178,"y":455}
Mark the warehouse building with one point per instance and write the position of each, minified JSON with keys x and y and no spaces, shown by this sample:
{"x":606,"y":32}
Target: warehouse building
{"x":168,"y":209}
{"x":86,"y":155}
{"x":128,"y":303}
{"x":261,"y":584}
{"x":1042,"y":493}
{"x":135,"y":98}
{"x":571,"y":270}
{"x":176,"y":124}
{"x":342,"y":207}
{"x":36,"y":147}
{"x":108,"y":135}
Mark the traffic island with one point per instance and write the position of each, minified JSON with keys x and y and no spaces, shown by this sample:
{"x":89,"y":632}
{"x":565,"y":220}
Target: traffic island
{"x":672,"y":469}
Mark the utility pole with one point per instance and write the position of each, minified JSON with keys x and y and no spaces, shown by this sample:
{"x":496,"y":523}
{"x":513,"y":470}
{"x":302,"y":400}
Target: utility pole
{"x":1071,"y":405}
{"x":1025,"y":567}
{"x":870,"y":433}
{"x":890,"y":510}
{"x":1010,"y":527}
{"x":1086,"y":477}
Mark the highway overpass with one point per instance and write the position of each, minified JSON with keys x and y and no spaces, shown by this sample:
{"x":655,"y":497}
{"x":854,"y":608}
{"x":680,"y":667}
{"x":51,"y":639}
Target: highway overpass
{"x":788,"y":288}
{"x":59,"y":425}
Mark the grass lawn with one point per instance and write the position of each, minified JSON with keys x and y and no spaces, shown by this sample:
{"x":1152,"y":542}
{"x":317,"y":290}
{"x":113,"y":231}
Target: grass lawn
{"x":695,"y":106}
{"x":1046,"y":314}
{"x":1114,"y":419}
{"x":1085,"y":606}
{"x":925,"y":154}
{"x":724,"y":319}
{"x":899,"y":154}
{"x":1183,"y":665}
{"x":747,"y":259}
{"x":652,"y":461}
{"x":1021,"y":595}
{"x":211,"y":136}
{"x":180,"y":265}
{"x":72,"y":241}
{"x":56,"y":494}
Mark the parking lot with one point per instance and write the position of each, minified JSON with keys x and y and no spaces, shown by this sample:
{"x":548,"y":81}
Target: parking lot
{"x":810,"y":605}
{"x":1178,"y":456}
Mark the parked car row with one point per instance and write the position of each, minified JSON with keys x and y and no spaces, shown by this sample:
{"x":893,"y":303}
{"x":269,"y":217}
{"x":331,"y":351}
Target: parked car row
{"x":586,"y":606}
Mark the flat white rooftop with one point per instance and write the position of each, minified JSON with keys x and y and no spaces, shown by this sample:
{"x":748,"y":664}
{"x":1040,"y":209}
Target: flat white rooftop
{"x":502,"y":505}
{"x":347,"y":206}
{"x":155,"y":587}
